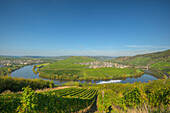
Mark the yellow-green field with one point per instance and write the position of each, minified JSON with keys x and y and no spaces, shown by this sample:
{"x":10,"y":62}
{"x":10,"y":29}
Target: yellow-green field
{"x":42,"y":65}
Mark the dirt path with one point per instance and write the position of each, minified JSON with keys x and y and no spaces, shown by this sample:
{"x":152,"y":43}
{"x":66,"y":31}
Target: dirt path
{"x":93,"y":107}
{"x":51,"y":89}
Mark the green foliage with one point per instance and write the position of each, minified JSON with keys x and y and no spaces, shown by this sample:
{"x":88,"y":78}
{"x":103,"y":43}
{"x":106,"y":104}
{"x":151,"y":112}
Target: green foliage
{"x":9,"y":102}
{"x":159,"y":60}
{"x":16,"y":84}
{"x":111,"y":97}
{"x":28,"y":101}
{"x":163,"y":66}
{"x":42,"y":65}
{"x":71,"y":83}
{"x":5,"y":70}
{"x":107,"y":98}
{"x":159,"y":98}
{"x":135,"y":97}
{"x":2,"y":72}
{"x":59,"y":101}
{"x":152,"y":96}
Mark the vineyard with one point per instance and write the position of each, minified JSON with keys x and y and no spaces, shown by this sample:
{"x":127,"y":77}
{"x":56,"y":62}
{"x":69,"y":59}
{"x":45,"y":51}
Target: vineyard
{"x":150,"y":97}
{"x":68,"y":70}
{"x":143,"y":97}
{"x":60,"y":101}
{"x":107,"y":98}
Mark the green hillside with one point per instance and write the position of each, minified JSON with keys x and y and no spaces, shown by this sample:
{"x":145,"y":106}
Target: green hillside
{"x":163,"y":66}
{"x":158,"y":60}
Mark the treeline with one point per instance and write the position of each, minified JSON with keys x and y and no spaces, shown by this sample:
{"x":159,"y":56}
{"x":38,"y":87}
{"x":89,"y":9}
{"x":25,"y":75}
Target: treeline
{"x":16,"y":84}
{"x":9,"y":69}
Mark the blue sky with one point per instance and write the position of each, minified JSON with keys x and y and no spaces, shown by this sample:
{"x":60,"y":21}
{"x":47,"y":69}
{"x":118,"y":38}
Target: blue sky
{"x":84,"y":27}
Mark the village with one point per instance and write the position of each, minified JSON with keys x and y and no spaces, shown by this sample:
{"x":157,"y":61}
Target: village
{"x":4,"y":63}
{"x":98,"y":64}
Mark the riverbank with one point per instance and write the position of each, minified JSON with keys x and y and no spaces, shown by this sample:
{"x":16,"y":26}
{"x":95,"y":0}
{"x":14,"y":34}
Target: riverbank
{"x":27,"y":72}
{"x":9,"y":69}
{"x":96,"y":74}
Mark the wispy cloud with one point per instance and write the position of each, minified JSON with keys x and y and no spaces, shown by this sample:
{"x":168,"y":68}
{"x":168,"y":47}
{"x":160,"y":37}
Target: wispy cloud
{"x":148,"y":46}
{"x":106,"y":51}
{"x":76,"y":53}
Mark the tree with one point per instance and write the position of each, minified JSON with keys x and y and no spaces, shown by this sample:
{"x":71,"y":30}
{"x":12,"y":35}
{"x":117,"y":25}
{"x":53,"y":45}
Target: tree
{"x":52,"y":76}
{"x":2,"y":72}
{"x":61,"y":77}
{"x":124,"y":76}
{"x":34,"y":67}
{"x":74,"y":77}
{"x":64,"y":75}
{"x":56,"y":76}
{"x":38,"y":69}
{"x":9,"y":70}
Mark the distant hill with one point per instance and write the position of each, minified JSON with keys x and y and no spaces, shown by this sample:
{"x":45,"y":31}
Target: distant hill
{"x":99,"y":58}
{"x":102,"y":58}
{"x":79,"y":59}
{"x":158,"y":60}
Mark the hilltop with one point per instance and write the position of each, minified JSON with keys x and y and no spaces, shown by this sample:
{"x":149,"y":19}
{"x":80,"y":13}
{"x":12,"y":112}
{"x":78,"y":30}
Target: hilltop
{"x":157,"y":60}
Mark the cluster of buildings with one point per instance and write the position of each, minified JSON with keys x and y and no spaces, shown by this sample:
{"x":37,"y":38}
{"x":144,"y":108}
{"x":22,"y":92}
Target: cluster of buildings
{"x":17,"y":62}
{"x":121,"y":66}
{"x":97,"y":64}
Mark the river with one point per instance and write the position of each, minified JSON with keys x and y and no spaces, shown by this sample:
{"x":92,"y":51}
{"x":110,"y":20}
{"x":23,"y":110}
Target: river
{"x":26,"y":72}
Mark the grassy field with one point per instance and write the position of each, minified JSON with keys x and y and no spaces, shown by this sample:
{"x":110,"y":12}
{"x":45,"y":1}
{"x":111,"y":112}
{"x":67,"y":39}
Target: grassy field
{"x":42,"y":65}
{"x":67,"y":69}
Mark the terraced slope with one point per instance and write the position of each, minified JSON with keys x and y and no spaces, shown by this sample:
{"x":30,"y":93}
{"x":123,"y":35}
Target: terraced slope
{"x":64,"y":100}
{"x":157,"y":60}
